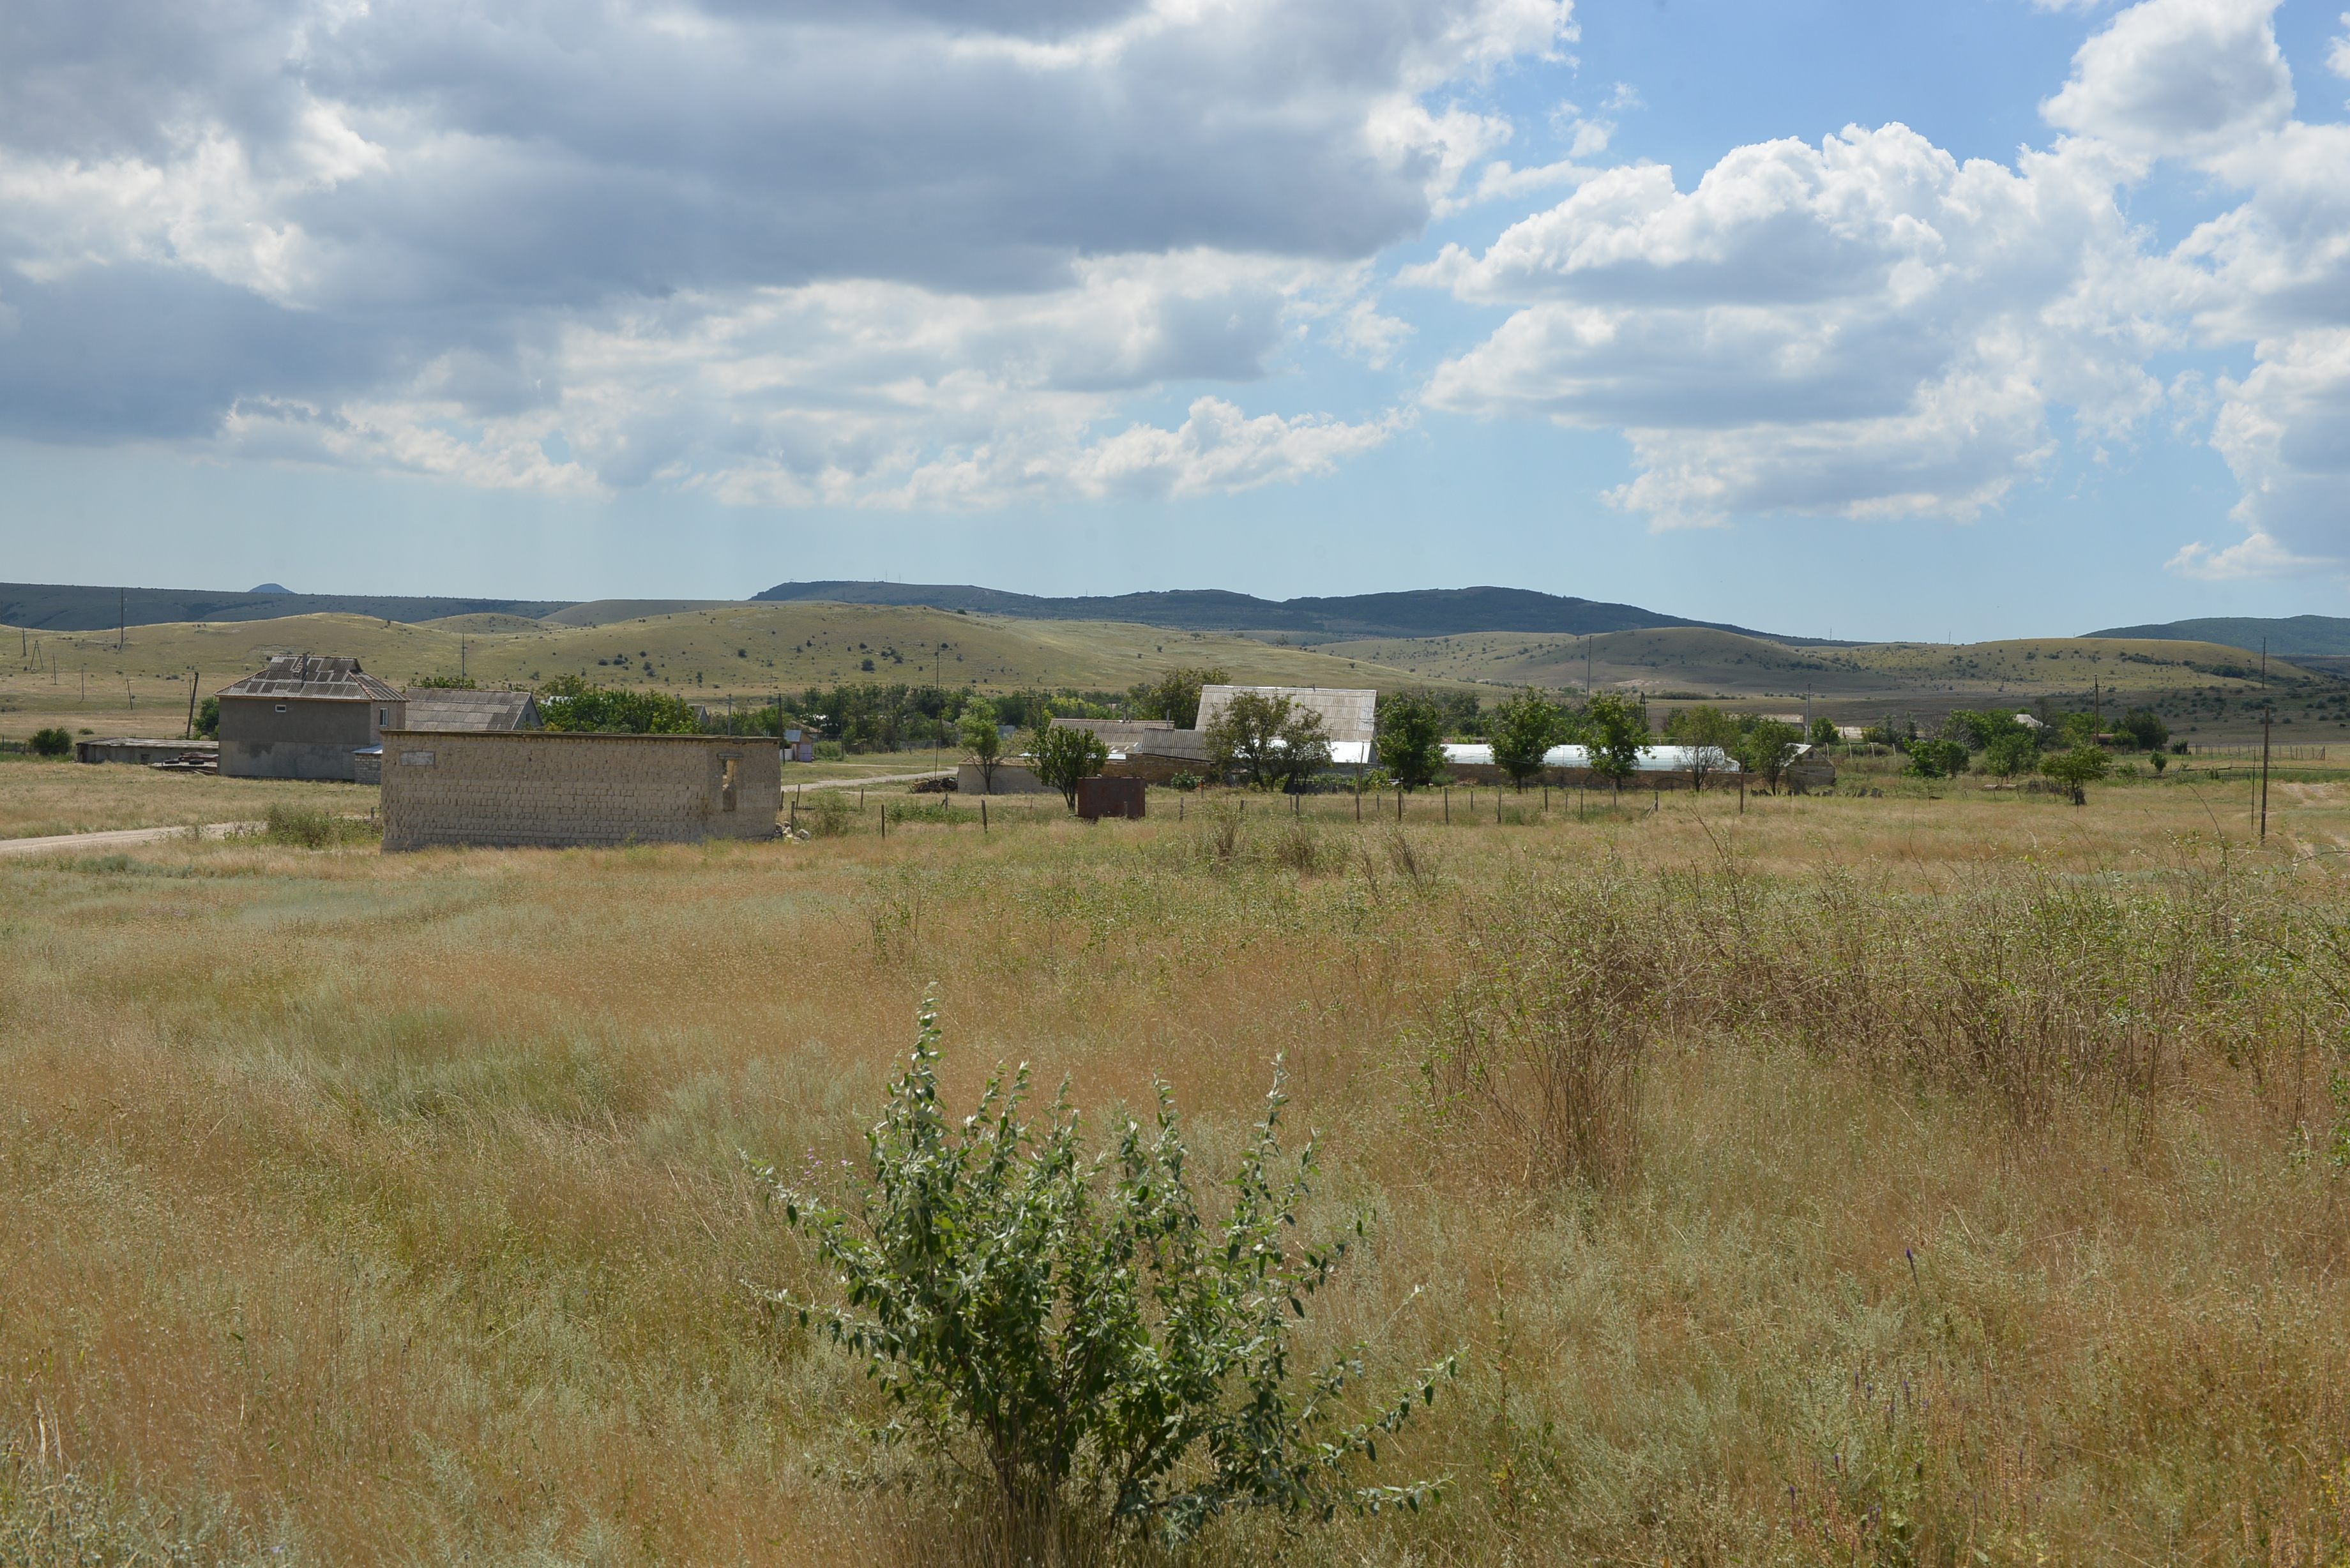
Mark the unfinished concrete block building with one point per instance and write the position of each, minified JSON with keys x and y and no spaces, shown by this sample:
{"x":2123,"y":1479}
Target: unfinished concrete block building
{"x":304,"y":717}
{"x":555,"y":789}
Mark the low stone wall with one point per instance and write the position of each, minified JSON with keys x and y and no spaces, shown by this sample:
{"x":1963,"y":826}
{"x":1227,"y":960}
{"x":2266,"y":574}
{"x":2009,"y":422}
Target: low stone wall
{"x":551,"y":789}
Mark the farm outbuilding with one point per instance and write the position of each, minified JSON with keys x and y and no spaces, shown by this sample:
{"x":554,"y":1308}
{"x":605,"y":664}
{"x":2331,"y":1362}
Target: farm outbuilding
{"x":132,"y":749}
{"x":557,"y":789}
{"x":304,"y":717}
{"x":441,"y":708}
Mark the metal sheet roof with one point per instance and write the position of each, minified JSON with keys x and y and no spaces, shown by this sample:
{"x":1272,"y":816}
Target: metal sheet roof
{"x":313,"y":679}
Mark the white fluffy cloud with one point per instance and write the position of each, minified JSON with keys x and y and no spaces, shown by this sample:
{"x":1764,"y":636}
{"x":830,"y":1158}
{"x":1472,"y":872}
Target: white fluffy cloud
{"x":1867,"y":326}
{"x":800,"y":250}
{"x":2203,"y":82}
{"x":1870,"y":328}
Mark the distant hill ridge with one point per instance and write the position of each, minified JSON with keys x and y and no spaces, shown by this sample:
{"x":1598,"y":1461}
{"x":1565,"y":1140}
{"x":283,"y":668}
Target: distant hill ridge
{"x":2288,"y":637}
{"x":58,"y":607}
{"x":1423,"y":612}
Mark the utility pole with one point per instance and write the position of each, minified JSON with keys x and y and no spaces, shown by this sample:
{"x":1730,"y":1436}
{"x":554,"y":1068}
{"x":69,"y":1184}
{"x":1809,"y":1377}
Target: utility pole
{"x":195,"y":678}
{"x":2265,"y":715}
{"x":122,"y":639}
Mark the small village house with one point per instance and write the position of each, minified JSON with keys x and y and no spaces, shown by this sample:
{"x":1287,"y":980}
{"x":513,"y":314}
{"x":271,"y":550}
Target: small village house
{"x":305,"y":717}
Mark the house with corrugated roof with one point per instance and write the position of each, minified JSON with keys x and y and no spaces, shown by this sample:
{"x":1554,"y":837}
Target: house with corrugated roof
{"x":305,"y":717}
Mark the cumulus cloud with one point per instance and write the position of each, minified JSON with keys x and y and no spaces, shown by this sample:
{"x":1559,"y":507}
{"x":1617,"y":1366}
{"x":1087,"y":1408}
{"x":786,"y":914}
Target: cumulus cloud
{"x":1866,"y":327}
{"x":1872,"y":328}
{"x":2178,"y":79}
{"x":1019,"y":200}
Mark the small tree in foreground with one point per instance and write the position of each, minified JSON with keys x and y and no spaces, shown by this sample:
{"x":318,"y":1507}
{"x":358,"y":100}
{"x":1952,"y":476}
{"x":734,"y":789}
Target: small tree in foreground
{"x":2077,"y":768}
{"x":1523,"y":730}
{"x":1410,"y":740}
{"x":1063,"y":755}
{"x":982,"y":740}
{"x":51,"y":743}
{"x":1111,"y":1354}
{"x":1766,"y":749}
{"x":1615,"y":733}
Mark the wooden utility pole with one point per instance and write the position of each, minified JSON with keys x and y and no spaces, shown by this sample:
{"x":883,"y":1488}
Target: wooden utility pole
{"x":2266,"y":716}
{"x":195,"y":678}
{"x":122,"y":639}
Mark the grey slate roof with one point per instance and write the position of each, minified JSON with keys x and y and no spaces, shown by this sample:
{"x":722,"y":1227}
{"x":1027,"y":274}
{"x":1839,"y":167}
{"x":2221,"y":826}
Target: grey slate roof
{"x":436,"y":708}
{"x":1346,"y":712}
{"x":315,"y":680}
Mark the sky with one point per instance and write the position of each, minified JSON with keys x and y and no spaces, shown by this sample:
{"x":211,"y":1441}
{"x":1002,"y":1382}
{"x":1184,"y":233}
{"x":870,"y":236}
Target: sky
{"x":1982,"y":318}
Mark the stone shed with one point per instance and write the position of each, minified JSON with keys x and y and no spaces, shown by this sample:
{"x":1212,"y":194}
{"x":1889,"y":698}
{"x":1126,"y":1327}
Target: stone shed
{"x":555,"y":789}
{"x":303,"y":717}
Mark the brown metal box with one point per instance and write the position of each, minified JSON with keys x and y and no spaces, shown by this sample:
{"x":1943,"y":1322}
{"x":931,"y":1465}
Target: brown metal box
{"x":1101,"y":797}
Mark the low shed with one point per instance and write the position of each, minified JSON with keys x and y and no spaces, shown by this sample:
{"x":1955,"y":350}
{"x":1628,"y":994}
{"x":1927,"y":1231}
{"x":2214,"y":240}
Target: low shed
{"x":130,"y":749}
{"x":555,"y":789}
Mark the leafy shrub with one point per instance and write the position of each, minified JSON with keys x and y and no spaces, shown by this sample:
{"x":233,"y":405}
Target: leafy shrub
{"x":825,"y":814}
{"x":1186,"y":781}
{"x":1118,"y":1359}
{"x":51,"y":743}
{"x":208,"y":718}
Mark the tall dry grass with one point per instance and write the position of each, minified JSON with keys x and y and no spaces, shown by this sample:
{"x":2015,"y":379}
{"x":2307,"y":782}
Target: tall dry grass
{"x":1962,"y":1185}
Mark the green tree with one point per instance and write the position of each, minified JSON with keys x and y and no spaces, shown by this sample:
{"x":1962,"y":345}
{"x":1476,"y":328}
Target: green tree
{"x":1304,"y":751}
{"x":1615,"y":733}
{"x":1063,"y":754}
{"x":208,"y":718}
{"x":2077,"y":768}
{"x":1710,"y":735}
{"x":2078,"y":729}
{"x":569,"y":703}
{"x":1246,"y":735}
{"x":1410,"y":740}
{"x":1176,"y":694}
{"x":1117,"y":1360}
{"x":982,"y":740}
{"x":2144,"y":728}
{"x":1824,"y":732}
{"x":2017,"y":751}
{"x":51,"y":743}
{"x":1524,"y":729}
{"x":1937,"y":759}
{"x":1766,"y":748}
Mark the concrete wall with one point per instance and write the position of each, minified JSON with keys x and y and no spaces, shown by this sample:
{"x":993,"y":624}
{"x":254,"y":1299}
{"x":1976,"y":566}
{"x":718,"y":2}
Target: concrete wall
{"x":552,"y":789}
{"x":1011,"y":778}
{"x":313,"y":739}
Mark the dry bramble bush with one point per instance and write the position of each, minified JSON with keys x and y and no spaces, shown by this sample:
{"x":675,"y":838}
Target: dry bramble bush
{"x":1860,"y":1180}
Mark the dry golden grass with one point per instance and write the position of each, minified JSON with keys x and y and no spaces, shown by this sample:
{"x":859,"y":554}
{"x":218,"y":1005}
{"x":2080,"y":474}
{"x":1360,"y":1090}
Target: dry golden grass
{"x":388,"y":1208}
{"x":39,"y":796}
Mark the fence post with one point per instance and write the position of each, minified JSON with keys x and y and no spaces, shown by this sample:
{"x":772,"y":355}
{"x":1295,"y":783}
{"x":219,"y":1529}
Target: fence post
{"x":982,"y":814}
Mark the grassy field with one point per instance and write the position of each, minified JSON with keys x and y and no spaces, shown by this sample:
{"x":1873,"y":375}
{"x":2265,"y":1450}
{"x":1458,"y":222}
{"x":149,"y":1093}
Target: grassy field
{"x":745,"y":651}
{"x":1971,"y":1181}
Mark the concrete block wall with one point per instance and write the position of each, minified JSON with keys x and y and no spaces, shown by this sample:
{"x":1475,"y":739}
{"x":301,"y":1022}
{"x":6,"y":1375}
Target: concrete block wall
{"x":551,"y":789}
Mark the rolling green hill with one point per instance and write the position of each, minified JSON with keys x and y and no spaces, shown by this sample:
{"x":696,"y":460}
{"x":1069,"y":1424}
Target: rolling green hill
{"x":2287,"y":636}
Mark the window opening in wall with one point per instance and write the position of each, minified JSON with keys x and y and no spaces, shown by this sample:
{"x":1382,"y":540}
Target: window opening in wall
{"x":727,"y":786}
{"x":383,"y":717}
{"x":281,"y":707}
